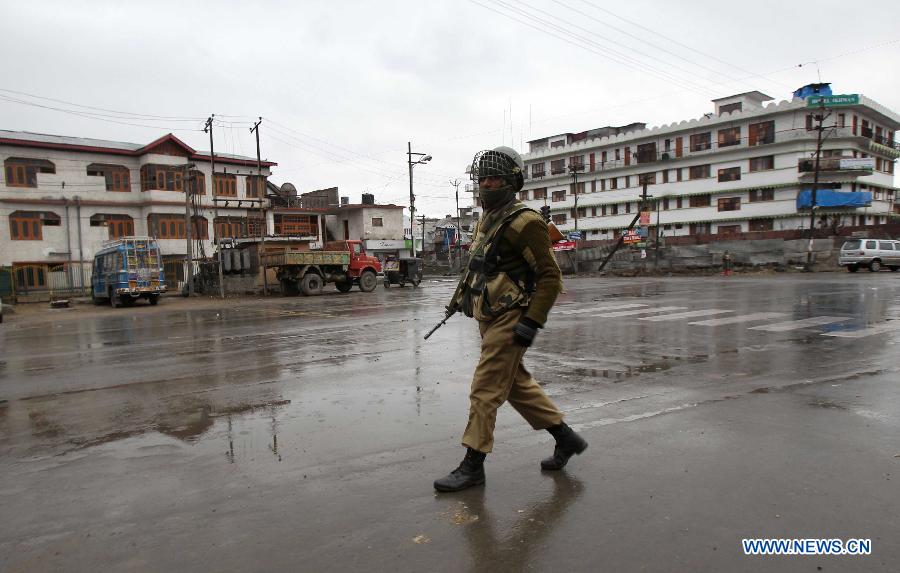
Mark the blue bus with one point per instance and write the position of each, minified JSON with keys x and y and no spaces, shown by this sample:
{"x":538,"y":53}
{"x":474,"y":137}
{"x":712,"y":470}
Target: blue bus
{"x":126,"y":269}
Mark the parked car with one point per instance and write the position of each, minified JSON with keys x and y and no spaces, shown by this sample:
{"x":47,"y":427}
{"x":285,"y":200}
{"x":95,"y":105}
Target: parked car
{"x":875,"y":254}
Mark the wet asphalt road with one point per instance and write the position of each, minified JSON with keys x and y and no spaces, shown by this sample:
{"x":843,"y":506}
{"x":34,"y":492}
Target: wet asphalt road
{"x":303,"y":434}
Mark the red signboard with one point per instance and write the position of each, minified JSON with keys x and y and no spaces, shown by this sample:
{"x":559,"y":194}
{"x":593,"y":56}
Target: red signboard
{"x":645,"y":217}
{"x":564,"y":246}
{"x":631,"y":237}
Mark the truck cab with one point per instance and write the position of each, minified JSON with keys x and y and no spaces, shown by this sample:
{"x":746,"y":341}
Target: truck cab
{"x":359,"y":259}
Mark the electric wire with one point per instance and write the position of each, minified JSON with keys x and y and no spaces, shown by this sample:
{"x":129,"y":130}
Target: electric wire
{"x":590,"y":46}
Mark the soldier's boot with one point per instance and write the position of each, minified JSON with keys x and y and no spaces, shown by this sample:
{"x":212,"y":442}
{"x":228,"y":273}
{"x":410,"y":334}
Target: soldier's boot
{"x":568,"y":443}
{"x":470,"y":472}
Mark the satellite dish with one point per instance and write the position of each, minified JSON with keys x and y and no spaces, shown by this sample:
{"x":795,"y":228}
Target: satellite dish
{"x":288,"y":189}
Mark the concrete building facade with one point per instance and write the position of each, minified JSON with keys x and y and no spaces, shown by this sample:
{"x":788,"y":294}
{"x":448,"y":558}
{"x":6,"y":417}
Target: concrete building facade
{"x":62,"y":197}
{"x":738,"y":169}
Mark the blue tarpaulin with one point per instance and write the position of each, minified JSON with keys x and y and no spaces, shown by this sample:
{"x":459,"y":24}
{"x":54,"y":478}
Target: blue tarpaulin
{"x":832,"y":198}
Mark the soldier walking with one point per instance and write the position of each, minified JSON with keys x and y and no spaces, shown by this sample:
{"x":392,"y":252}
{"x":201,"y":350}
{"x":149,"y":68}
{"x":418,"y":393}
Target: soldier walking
{"x":509,"y":286}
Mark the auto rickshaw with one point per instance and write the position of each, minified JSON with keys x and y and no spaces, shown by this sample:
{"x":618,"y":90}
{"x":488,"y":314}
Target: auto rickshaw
{"x":402,"y":271}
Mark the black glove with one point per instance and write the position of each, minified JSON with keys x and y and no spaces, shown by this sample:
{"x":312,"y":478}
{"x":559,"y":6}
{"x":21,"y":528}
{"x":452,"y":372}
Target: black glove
{"x":525,"y":331}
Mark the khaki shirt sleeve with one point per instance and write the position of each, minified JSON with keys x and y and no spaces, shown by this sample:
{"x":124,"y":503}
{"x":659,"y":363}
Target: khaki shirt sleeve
{"x":533,"y":241}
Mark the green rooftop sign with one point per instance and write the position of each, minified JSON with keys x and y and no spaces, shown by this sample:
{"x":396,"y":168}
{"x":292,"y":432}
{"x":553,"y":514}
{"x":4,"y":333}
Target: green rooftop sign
{"x":832,"y":100}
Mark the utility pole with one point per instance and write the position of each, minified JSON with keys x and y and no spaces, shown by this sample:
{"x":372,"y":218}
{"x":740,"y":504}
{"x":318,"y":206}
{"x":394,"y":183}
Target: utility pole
{"x":423,"y":233}
{"x":575,"y":168}
{"x":658,"y":234}
{"x":820,"y":118}
{"x":212,"y":162}
{"x":455,"y":184}
{"x":187,"y":180}
{"x":422,"y":158}
{"x":261,"y":191}
{"x":412,"y":202}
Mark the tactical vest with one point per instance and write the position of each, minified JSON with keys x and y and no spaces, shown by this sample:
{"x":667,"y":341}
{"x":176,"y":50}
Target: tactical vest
{"x":484,"y":292}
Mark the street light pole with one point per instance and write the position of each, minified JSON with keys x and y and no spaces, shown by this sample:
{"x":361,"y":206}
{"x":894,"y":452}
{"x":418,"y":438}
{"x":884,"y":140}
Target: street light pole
{"x":422,"y":158}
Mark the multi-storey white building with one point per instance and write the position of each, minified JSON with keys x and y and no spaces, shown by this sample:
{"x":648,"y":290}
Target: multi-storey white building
{"x":739,"y":169}
{"x":62,"y":197}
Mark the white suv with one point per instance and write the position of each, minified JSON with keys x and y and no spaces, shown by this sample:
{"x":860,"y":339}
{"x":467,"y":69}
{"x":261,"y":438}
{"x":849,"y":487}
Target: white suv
{"x":872,"y":253}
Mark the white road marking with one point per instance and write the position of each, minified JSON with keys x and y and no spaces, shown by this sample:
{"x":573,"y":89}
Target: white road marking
{"x":740,"y":318}
{"x":798,"y":324}
{"x":603,"y":307}
{"x":638,"y":311}
{"x":689,"y":314}
{"x":877,"y":329}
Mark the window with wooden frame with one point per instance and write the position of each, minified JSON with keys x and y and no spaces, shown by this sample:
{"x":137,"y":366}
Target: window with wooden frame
{"x":166,"y":226}
{"x":758,"y":225}
{"x":700,"y":200}
{"x":30,"y":276}
{"x":557,"y":166}
{"x":614,"y":209}
{"x":678,"y":202}
{"x":537,"y":169}
{"x":559,"y":218}
{"x":22,"y":171}
{"x":699,"y":171}
{"x":25,"y":226}
{"x":765,"y":163}
{"x":761,"y":133}
{"x":523,"y":195}
{"x":729,"y":136}
{"x":665,"y":176}
{"x":577,"y":162}
{"x":540,"y":193}
{"x":728,"y":229}
{"x":665,"y":203}
{"x":648,"y":178}
{"x":646,"y":152}
{"x":698,"y":228}
{"x":757,"y":195}
{"x":117,"y":225}
{"x":197,"y":182}
{"x":301,"y":225}
{"x":199,"y":227}
{"x":614,"y":183}
{"x":230,"y":227}
{"x":162,"y":178}
{"x":729,"y":174}
{"x":377,"y":222}
{"x":701,"y":141}
{"x":558,"y":196}
{"x":729,"y":204}
{"x":225,"y":185}
{"x":117,"y":177}
{"x":256,"y":186}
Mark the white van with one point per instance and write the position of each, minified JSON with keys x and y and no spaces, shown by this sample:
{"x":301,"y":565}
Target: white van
{"x":875,"y":254}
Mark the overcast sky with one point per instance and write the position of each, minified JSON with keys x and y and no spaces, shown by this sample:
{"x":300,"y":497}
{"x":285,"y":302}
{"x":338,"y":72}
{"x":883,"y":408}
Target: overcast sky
{"x":342,"y":86}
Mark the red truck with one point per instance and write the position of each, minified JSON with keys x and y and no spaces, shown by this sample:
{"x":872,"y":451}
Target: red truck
{"x":344,"y":263}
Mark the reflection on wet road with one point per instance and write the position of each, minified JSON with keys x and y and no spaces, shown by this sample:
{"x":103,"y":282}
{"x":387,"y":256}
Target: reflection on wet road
{"x":327,"y":418}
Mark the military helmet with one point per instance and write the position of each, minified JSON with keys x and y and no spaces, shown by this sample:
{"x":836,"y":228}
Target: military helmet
{"x":499,"y":162}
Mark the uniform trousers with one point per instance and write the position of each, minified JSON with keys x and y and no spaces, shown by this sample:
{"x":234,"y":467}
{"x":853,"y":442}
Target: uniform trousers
{"x":499,"y":377}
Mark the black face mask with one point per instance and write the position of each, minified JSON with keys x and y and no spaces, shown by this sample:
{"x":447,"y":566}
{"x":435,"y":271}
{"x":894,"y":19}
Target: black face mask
{"x":493,"y":198}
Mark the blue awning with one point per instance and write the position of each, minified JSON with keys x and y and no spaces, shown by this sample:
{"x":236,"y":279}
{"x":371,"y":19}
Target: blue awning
{"x":832,"y":198}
